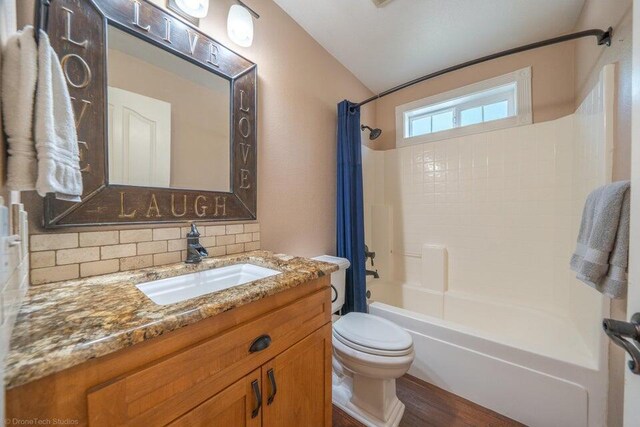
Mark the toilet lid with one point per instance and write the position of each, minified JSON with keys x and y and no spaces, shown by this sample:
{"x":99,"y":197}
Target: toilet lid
{"x":371,"y":333}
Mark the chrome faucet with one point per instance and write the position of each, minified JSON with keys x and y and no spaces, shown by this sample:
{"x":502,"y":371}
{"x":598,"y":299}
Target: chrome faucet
{"x":195,"y":251}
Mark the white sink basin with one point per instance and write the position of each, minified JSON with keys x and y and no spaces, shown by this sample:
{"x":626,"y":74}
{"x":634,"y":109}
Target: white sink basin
{"x":181,"y":288}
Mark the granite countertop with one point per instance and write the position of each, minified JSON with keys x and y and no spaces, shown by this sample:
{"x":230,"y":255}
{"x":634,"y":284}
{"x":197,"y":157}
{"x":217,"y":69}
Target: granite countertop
{"x":63,"y":324}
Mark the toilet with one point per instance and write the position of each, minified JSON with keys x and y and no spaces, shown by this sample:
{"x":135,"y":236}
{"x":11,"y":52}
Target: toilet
{"x":369,"y":354}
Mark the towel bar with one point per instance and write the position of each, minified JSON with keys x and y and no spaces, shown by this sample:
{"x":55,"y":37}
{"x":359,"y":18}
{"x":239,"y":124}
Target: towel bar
{"x":41,"y":17}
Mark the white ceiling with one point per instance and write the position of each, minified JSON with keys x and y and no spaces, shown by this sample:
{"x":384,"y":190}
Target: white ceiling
{"x":406,"y":39}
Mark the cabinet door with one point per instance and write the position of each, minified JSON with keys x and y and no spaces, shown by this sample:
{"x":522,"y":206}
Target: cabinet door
{"x":297,"y":384}
{"x":239,"y":405}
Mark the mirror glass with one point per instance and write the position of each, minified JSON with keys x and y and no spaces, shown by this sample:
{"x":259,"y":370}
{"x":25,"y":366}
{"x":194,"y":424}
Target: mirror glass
{"x":168,"y":119}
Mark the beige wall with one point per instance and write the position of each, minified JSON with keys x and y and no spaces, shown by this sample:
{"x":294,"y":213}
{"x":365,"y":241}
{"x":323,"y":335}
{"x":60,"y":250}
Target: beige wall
{"x":589,"y":60}
{"x":552,"y":87}
{"x":299,"y":86}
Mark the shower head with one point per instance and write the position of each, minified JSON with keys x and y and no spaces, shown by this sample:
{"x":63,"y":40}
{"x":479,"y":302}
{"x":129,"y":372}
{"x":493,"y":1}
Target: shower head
{"x":374,"y":133}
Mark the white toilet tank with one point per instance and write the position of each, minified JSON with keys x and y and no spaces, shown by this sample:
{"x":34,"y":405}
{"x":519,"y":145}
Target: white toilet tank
{"x":337,"y":280}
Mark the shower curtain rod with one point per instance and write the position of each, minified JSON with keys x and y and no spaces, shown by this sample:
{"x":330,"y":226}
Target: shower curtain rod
{"x":604,"y":38}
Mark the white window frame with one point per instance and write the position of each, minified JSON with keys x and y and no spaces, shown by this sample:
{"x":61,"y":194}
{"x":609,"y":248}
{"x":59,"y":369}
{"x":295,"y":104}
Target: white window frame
{"x":446,"y":100}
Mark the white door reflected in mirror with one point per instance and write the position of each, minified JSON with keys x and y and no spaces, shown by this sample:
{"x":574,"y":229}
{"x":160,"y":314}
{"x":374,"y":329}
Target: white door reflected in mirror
{"x":139,"y":139}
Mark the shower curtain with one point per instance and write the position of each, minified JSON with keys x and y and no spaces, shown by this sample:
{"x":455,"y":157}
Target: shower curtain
{"x":350,"y":227}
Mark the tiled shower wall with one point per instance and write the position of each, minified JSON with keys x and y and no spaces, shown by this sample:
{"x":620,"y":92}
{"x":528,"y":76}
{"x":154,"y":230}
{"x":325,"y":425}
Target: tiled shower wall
{"x":506,"y":205}
{"x":500,"y":202}
{"x":65,"y":256}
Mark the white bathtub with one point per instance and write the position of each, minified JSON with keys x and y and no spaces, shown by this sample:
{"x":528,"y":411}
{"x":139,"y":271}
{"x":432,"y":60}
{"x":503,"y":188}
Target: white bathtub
{"x":529,"y":365}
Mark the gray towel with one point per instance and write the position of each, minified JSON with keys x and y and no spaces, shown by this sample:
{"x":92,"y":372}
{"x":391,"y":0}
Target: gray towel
{"x":602,"y":252}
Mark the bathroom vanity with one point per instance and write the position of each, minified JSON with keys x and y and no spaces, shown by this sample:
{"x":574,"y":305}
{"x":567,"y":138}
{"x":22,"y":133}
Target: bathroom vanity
{"x":99,"y":352}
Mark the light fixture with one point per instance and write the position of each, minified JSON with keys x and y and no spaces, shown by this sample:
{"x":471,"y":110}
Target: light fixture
{"x":240,"y":25}
{"x":196,"y":8}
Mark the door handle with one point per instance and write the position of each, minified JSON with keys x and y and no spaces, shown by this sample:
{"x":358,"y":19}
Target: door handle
{"x":258,"y":397}
{"x":627,"y":336}
{"x":274,"y":387}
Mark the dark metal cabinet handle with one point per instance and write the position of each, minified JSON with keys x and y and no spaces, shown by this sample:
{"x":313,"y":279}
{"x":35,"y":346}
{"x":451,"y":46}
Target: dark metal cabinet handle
{"x":274,"y":387}
{"x":260,"y":343}
{"x":627,"y":336}
{"x":258,"y":396}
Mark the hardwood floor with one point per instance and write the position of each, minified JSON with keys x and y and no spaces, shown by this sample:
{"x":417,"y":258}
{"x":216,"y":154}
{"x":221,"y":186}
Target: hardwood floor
{"x":430,"y":406}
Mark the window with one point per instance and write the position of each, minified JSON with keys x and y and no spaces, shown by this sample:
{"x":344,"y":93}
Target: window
{"x":431,"y":122}
{"x":492,"y":104}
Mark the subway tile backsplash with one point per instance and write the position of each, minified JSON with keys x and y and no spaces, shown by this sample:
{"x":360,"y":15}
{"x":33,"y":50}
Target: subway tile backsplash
{"x":64,"y":256}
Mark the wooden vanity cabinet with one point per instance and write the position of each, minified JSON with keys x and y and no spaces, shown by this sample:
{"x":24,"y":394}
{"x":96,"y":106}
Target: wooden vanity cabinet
{"x":289,"y":390}
{"x":205,"y":374}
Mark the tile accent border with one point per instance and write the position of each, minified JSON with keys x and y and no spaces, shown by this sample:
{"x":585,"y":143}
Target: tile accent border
{"x":64,"y":256}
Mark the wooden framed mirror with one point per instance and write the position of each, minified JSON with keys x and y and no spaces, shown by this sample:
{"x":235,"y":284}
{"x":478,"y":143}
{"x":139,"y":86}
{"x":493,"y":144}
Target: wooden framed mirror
{"x":166,"y":117}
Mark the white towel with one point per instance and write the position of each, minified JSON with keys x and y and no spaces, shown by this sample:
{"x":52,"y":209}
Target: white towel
{"x":55,"y":134}
{"x":19,"y":74}
{"x":602,"y":253}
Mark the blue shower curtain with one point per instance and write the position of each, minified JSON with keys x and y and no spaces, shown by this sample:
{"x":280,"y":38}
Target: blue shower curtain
{"x":350,"y":227}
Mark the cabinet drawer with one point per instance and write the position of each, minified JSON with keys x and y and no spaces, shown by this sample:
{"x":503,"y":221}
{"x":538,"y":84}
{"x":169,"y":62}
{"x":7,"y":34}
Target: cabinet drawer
{"x":162,"y":391}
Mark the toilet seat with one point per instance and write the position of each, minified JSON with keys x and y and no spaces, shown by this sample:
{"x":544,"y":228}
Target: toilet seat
{"x":372,"y":335}
{"x":369,"y":350}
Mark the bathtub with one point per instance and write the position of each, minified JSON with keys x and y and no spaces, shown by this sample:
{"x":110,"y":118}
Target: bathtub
{"x":529,"y":365}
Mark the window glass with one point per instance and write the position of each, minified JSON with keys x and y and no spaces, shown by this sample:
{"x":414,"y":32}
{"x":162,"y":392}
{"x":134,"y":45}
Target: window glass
{"x":471,"y":116}
{"x":442,"y":121}
{"x":420,"y":126}
{"x":495,"y":111}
